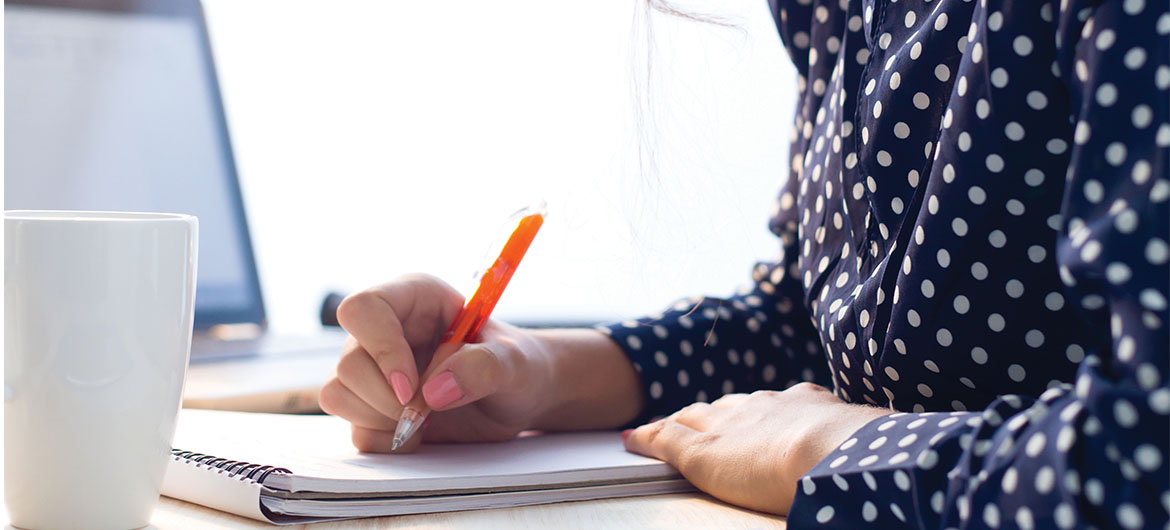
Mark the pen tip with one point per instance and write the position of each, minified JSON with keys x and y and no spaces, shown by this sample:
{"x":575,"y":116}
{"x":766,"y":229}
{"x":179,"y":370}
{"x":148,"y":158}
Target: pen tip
{"x":409,"y":423}
{"x":405,"y":430}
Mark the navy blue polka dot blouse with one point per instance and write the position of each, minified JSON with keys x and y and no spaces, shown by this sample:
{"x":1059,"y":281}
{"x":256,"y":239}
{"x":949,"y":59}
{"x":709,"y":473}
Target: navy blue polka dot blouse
{"x":974,"y":234}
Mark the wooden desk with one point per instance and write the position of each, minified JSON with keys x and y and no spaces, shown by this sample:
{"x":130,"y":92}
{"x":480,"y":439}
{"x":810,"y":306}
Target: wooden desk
{"x":668,"y":512}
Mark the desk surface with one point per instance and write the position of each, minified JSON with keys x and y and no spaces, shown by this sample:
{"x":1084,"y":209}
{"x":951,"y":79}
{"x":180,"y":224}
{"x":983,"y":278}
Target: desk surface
{"x":672,"y":512}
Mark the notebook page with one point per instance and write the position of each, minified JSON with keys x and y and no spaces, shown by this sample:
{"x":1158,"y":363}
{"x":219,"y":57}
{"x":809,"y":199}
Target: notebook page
{"x":319,"y":451}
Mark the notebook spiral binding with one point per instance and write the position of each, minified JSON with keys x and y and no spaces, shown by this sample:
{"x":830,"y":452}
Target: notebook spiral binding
{"x":233,"y":468}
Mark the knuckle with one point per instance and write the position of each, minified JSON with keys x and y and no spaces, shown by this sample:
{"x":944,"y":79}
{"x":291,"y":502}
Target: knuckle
{"x":651,"y":431}
{"x":489,"y":363}
{"x":378,"y":355}
{"x":349,"y":367}
{"x":513,"y":362}
{"x":693,"y":408}
{"x":805,"y":386}
{"x":758,"y":397}
{"x":492,"y":355}
{"x":420,"y":284}
{"x":513,"y":351}
{"x":352,"y":306}
{"x":363,"y":440}
{"x":658,"y":428}
{"x":351,"y":345}
{"x":415,"y":277}
{"x":506,"y":348}
{"x":330,"y":396}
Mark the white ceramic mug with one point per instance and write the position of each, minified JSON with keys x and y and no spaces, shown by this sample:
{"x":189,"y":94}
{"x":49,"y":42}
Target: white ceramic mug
{"x":98,"y":309}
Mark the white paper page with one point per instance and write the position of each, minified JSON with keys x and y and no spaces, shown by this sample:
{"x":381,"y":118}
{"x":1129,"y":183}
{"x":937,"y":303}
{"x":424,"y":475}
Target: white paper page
{"x":319,"y":451}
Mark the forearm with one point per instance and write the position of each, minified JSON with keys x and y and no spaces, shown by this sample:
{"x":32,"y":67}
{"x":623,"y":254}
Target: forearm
{"x":594,"y":385}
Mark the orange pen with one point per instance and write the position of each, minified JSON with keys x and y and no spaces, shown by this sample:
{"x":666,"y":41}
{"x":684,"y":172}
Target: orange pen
{"x":476,"y":311}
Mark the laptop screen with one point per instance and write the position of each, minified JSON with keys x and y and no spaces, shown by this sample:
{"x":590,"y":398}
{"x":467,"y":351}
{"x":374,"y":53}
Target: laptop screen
{"x":117,"y":108}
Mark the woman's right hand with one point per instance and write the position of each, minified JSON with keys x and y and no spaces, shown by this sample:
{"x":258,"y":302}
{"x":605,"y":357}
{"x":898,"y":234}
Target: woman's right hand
{"x":484,"y":391}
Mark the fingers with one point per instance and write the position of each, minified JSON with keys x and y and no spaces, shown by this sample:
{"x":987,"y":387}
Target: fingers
{"x":360,"y":374}
{"x":340,"y":401}
{"x":806,"y":386}
{"x":371,"y":319}
{"x":372,"y":432}
{"x":698,"y":416}
{"x":463,"y":425}
{"x":666,"y":440}
{"x":471,"y":372}
{"x":380,"y":441}
{"x":730,"y":401}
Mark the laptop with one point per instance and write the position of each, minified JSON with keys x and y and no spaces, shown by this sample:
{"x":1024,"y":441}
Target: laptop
{"x":115,"y":105}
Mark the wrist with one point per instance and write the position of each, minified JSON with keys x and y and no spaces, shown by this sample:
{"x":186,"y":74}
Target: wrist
{"x":819,"y":440}
{"x":590,"y":383}
{"x":537,"y":374}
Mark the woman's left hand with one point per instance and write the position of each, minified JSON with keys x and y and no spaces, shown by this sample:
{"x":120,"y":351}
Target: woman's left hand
{"x":750,"y":449}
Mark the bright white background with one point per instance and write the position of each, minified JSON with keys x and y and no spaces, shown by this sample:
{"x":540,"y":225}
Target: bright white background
{"x":378,"y":138}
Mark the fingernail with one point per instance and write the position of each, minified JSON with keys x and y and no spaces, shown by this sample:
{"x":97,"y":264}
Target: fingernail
{"x":401,"y":385}
{"x":442,"y":390}
{"x":626,"y":434}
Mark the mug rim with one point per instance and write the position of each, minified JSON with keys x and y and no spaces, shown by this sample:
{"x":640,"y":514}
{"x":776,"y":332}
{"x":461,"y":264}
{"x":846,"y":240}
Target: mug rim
{"x":93,"y":216}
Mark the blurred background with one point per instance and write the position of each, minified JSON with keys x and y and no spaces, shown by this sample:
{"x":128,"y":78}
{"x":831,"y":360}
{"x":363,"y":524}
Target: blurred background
{"x":378,"y":138}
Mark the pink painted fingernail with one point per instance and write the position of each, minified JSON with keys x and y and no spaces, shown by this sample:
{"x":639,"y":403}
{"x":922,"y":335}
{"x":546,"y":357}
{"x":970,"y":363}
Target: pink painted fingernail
{"x":626,"y":434}
{"x":442,"y":390}
{"x":401,"y":385}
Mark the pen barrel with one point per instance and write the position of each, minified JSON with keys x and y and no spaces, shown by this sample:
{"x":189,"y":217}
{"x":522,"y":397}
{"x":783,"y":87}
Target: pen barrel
{"x":491,"y":285}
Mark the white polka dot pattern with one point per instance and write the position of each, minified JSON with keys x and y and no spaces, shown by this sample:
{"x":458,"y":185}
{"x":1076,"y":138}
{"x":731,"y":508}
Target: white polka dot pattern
{"x":976,"y":219}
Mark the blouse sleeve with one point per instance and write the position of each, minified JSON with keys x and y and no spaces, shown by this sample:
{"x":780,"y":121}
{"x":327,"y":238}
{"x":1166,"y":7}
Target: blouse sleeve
{"x":1089,"y":455}
{"x":702,"y":348}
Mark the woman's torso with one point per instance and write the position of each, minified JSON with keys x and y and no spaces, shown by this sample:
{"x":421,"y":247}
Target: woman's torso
{"x":921,"y":218}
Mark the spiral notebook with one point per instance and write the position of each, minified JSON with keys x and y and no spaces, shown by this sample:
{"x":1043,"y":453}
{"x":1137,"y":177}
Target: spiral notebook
{"x":288,"y":469}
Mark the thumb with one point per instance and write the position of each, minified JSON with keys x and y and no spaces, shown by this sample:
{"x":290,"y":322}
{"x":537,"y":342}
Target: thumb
{"x":472,"y":372}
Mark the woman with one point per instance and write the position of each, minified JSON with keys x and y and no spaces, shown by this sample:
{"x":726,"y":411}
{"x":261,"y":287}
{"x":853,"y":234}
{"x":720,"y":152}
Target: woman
{"x":974,"y":261}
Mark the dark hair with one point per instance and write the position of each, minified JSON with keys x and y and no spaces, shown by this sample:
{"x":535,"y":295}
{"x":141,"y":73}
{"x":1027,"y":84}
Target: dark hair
{"x":643,"y":25}
{"x":664,"y":7}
